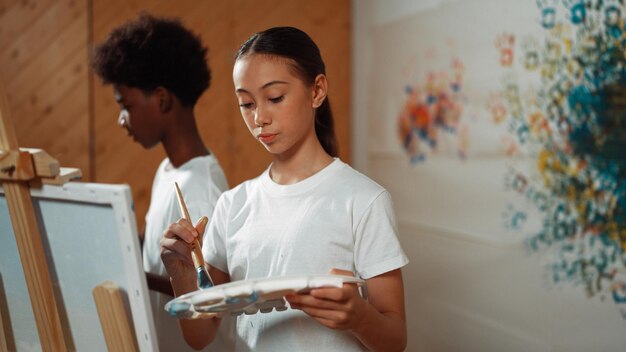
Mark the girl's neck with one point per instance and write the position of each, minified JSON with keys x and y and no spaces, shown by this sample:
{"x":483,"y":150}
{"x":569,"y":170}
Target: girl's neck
{"x":287,"y":170}
{"x":182,"y":141}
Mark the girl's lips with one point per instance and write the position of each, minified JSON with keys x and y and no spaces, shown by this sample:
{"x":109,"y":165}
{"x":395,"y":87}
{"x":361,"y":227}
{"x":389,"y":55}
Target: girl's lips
{"x":267,"y":137}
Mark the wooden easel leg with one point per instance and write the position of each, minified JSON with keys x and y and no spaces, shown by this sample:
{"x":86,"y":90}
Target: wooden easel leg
{"x":118,"y":332}
{"x":28,"y":239}
{"x":7,"y":340}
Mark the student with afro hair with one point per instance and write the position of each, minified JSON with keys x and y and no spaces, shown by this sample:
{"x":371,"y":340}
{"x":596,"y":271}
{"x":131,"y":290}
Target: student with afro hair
{"x":158,"y":70}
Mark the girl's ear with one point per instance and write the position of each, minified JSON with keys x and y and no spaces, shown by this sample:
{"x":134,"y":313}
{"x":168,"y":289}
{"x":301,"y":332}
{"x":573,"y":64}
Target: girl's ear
{"x":320,"y":89}
{"x":165,"y":99}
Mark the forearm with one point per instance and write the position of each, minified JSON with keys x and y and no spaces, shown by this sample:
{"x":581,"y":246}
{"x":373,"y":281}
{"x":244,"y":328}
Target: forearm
{"x":197,"y":332}
{"x":378,"y":322}
{"x":159,"y":284}
{"x":177,"y":260}
{"x":383,"y":326}
{"x":381,"y":331}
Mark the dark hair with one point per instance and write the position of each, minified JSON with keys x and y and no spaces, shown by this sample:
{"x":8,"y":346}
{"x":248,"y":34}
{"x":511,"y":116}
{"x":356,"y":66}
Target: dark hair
{"x":305,"y":58}
{"x":151,"y":52}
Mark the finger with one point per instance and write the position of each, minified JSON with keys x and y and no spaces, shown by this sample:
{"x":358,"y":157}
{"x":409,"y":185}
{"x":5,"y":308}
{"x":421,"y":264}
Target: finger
{"x":187,"y":224}
{"x":331,"y":318}
{"x":201,"y":224}
{"x":335,"y":294}
{"x":180,"y":230}
{"x":176,"y":249}
{"x":309,"y":301}
{"x":175,"y":245}
{"x":201,"y":227}
{"x":336,"y":271}
{"x":332,"y":294}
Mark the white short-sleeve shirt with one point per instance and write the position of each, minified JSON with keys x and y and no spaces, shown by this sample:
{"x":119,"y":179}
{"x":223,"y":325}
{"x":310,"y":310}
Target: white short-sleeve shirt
{"x":337,"y":218}
{"x":202,"y":181}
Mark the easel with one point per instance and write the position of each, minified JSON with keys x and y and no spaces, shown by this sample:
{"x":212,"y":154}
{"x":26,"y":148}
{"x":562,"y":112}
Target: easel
{"x":20,"y":168}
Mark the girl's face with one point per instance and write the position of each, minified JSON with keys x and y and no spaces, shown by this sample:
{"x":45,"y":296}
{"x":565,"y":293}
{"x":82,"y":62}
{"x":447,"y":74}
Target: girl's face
{"x":138,"y":115}
{"x":276,"y":105}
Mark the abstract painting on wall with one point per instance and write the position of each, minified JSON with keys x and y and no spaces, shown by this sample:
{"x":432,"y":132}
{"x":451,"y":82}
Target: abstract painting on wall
{"x":575,"y":125}
{"x":539,"y":87}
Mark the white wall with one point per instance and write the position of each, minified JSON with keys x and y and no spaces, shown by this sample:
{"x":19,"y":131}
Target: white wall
{"x":365,"y":15}
{"x":466,"y":290}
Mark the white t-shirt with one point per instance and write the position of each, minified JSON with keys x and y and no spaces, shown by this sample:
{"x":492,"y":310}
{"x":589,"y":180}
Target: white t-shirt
{"x":201,"y":181}
{"x":337,"y":218}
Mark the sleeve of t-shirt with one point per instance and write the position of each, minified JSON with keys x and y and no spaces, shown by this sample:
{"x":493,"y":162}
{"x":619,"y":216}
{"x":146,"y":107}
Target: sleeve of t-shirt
{"x":155,"y":181}
{"x":213,"y":244}
{"x":377,"y":248}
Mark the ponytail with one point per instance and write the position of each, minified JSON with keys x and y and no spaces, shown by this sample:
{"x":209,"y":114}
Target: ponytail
{"x":325,"y":128}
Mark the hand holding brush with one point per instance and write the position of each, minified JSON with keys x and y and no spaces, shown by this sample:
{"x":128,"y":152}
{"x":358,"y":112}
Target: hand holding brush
{"x":204,"y":279}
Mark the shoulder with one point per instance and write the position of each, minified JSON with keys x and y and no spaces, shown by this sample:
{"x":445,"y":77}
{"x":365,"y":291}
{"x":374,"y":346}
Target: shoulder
{"x":207,"y":170}
{"x":162,"y":165}
{"x":160,"y":176}
{"x":354,"y":182}
{"x":203,"y":164}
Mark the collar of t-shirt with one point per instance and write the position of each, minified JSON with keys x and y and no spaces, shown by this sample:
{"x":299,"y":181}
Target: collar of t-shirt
{"x":187,"y":165}
{"x":300,"y":187}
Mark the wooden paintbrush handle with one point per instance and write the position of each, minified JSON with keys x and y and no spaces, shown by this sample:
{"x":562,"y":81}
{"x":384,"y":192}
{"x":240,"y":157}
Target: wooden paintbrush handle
{"x":196,"y":253}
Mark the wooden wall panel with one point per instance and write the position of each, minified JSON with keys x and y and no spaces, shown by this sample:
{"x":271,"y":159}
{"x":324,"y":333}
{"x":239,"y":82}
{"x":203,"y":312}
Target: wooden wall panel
{"x":43,"y":65}
{"x":327,"y":22}
{"x":223,"y":26}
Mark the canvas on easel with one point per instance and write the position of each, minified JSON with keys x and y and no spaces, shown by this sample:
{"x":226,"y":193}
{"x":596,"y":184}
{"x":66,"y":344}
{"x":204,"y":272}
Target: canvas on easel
{"x":66,"y":250}
{"x":89,"y":237}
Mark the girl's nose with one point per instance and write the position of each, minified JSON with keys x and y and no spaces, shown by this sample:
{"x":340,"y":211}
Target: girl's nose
{"x":261,"y":118}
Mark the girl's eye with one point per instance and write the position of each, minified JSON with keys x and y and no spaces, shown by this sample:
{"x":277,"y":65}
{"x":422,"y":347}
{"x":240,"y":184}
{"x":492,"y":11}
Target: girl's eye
{"x":245,"y":105}
{"x":278,"y":99}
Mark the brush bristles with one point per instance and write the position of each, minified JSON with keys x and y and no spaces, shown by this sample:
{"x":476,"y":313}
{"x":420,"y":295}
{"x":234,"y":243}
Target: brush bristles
{"x":204,"y":280}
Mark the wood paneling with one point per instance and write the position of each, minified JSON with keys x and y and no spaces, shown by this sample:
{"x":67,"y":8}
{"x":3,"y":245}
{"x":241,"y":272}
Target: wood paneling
{"x":44,"y":66}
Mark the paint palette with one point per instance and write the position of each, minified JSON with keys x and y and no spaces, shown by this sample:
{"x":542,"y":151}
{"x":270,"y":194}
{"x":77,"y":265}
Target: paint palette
{"x":250,"y":296}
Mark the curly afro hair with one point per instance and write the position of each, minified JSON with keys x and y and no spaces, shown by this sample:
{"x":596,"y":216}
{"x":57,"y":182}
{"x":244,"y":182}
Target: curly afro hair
{"x":151,"y":52}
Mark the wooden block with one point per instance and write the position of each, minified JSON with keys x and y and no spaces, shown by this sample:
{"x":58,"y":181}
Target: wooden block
{"x":118,"y":332}
{"x":45,"y":165}
{"x":16,"y":165}
{"x":66,"y":174}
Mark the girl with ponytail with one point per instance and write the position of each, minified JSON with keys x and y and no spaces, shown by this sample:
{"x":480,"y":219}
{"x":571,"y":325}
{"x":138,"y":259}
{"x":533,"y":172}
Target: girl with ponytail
{"x":308,"y":213}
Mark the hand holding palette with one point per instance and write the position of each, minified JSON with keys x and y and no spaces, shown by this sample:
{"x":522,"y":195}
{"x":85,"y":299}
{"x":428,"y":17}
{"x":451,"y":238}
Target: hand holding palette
{"x":250,"y":296}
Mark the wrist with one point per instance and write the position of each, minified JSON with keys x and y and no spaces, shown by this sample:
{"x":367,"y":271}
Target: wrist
{"x":363,"y":319}
{"x":182,"y":285}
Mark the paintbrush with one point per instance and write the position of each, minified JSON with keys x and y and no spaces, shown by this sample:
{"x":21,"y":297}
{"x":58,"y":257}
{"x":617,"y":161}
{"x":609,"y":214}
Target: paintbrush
{"x":204,"y":279}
